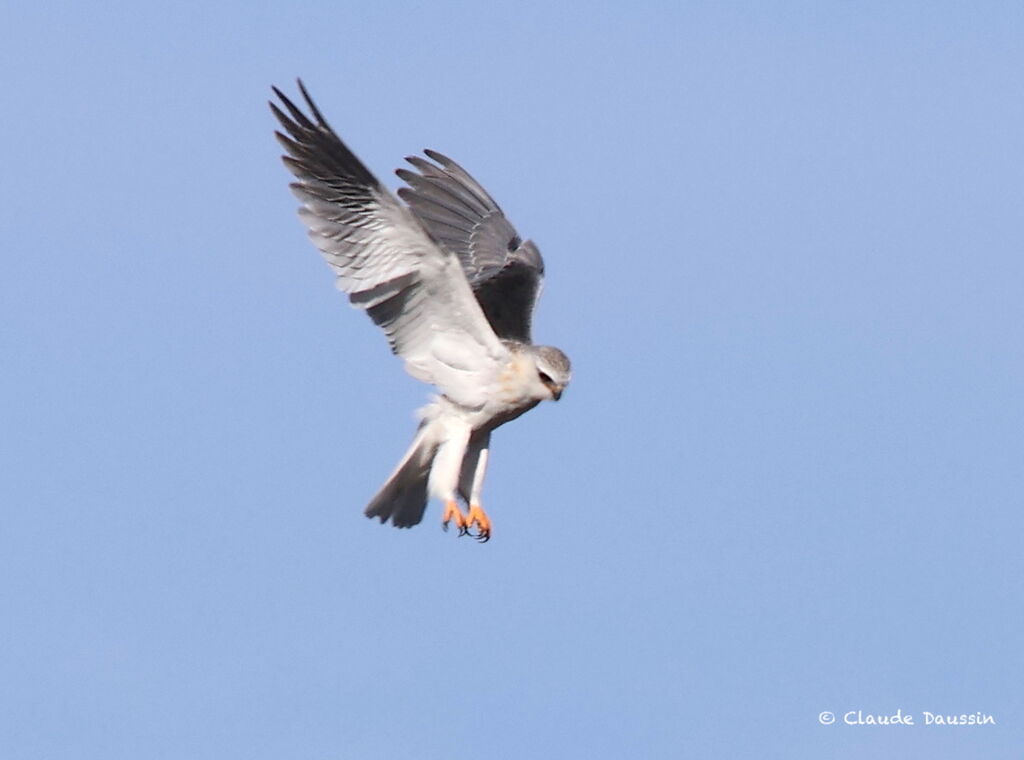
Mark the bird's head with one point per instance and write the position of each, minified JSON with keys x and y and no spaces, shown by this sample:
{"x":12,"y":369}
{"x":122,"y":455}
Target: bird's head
{"x":553,"y":370}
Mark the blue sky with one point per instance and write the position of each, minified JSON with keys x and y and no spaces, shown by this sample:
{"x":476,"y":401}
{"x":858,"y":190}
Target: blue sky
{"x":784,"y":253}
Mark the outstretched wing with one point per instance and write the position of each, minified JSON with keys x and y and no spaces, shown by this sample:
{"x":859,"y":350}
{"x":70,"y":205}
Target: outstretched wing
{"x":504,"y":272}
{"x":387,"y":263}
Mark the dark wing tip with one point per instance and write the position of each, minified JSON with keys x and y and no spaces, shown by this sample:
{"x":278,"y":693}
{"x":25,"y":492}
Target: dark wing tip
{"x":312,"y":106}
{"x":298,"y":118}
{"x":288,"y":125}
{"x":441,"y":158}
{"x":297,"y":115}
{"x":313,"y":143}
{"x":425,"y":168}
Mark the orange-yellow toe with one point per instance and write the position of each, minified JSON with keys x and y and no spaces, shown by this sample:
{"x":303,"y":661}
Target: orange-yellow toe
{"x":452,"y":513}
{"x":479,"y":518}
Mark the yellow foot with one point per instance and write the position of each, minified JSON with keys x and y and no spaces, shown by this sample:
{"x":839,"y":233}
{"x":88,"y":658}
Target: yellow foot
{"x":452,"y":513}
{"x":478,"y":517}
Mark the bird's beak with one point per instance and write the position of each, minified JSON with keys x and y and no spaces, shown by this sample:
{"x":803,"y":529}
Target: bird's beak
{"x":556,"y":391}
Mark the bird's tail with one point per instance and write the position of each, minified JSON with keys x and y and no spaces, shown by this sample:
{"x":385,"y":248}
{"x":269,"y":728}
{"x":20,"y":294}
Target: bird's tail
{"x":403,"y":498}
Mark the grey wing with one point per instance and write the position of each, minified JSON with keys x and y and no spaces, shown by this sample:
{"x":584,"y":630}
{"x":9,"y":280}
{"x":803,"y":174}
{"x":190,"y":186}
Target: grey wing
{"x":504,"y":271}
{"x":388,"y":264}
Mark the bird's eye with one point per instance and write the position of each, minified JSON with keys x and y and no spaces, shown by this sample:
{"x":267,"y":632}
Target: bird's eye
{"x":544,"y":377}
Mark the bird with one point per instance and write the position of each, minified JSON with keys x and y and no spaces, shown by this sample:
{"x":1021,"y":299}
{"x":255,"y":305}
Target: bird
{"x":453,"y":286}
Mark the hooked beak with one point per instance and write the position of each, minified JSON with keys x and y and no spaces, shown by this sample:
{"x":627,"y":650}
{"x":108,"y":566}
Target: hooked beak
{"x":556,"y":391}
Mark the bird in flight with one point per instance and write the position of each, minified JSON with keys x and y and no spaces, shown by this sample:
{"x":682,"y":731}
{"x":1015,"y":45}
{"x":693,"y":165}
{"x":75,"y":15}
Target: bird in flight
{"x":453,"y":286}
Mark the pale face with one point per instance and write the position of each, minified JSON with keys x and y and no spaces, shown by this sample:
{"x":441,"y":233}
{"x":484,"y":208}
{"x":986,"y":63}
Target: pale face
{"x":553,"y":371}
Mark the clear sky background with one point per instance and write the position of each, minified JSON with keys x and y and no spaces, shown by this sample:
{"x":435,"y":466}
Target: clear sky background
{"x":784,"y":244}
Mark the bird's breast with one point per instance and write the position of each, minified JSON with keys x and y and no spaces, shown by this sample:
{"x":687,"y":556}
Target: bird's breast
{"x":514,"y":382}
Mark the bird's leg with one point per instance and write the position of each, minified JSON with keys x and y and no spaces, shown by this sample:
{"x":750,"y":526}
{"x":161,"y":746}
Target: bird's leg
{"x":477,"y":516}
{"x":444,"y":473}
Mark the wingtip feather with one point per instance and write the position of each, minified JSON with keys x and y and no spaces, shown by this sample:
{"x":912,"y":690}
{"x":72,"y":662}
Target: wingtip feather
{"x":312,"y":106}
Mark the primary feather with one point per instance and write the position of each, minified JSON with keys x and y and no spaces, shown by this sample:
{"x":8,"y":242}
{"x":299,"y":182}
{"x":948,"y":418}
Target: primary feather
{"x":388,"y":264}
{"x":504,"y":271}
